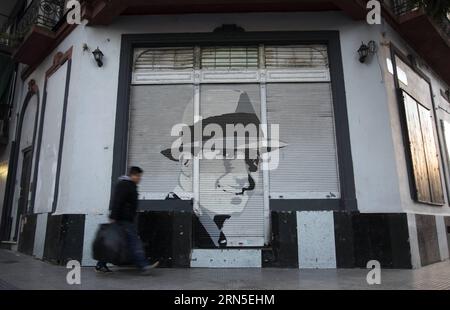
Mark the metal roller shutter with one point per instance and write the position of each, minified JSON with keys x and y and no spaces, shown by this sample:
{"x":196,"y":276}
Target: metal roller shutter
{"x":245,"y":225}
{"x":222,"y":181}
{"x":154,"y":109}
{"x":291,"y":82}
{"x":308,"y":166}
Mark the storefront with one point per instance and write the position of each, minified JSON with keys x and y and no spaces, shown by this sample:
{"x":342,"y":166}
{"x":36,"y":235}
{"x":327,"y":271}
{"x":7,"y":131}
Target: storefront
{"x":287,"y":82}
{"x":334,"y":183}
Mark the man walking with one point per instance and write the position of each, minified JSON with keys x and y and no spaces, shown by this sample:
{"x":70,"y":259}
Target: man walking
{"x":123,"y":211}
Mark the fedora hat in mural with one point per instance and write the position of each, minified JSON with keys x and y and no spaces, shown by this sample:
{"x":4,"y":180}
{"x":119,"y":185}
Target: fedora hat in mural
{"x":244,"y":116}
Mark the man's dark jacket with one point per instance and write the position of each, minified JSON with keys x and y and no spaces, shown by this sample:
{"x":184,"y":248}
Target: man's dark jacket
{"x":124,"y":200}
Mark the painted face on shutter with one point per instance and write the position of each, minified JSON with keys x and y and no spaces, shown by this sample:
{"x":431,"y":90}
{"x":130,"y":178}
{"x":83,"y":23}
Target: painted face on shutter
{"x":226,"y":185}
{"x":230,"y":189}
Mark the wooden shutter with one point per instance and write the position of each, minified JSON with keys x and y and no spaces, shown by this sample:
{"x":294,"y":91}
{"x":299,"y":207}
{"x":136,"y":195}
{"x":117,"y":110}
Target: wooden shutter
{"x":423,"y":152}
{"x":420,"y":170}
{"x":431,"y":155}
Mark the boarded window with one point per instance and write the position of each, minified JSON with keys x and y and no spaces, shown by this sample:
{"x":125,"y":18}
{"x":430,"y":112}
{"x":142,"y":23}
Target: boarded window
{"x":445,"y":125}
{"x":413,"y":83}
{"x":424,"y":156}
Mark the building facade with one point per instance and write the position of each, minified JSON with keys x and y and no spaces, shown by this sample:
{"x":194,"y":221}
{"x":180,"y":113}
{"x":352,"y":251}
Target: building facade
{"x":362,"y":165}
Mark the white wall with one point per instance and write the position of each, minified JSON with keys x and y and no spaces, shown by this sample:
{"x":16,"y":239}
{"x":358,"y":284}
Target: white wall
{"x":88,"y":144}
{"x":50,"y":143}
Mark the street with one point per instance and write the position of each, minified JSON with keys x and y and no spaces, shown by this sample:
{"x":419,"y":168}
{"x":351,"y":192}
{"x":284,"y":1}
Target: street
{"x":18,"y":271}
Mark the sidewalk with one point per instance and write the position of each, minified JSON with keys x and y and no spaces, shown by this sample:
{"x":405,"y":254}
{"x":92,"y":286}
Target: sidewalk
{"x":18,"y":271}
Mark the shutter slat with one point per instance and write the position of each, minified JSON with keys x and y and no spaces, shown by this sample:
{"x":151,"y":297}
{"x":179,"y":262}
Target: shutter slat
{"x":431,"y":155}
{"x":164,"y":59}
{"x":153,"y":112}
{"x":293,"y":56}
{"x":308,"y":164}
{"x":229,"y":58}
{"x":246,"y":224}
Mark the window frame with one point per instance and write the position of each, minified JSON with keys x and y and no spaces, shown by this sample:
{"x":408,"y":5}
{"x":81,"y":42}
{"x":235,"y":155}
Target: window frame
{"x":347,"y":202}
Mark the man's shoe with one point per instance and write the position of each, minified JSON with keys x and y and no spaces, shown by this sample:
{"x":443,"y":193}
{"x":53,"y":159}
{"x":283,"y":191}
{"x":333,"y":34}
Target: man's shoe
{"x":102,"y":269}
{"x":145,"y":271}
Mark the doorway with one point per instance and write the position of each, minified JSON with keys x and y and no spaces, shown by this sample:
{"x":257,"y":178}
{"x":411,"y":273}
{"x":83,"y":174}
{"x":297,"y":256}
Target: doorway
{"x":24,"y":187}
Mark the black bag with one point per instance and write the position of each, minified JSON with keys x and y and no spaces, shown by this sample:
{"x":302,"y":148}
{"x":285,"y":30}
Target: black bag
{"x":110,"y":245}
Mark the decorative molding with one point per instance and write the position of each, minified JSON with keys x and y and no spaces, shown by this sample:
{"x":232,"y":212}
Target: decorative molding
{"x":58,"y":60}
{"x":32,"y":86}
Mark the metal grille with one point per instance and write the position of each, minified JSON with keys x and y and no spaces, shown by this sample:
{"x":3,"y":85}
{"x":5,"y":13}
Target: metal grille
{"x":242,"y":57}
{"x":296,"y":56}
{"x":181,"y":58}
{"x":401,"y":7}
{"x":44,"y":13}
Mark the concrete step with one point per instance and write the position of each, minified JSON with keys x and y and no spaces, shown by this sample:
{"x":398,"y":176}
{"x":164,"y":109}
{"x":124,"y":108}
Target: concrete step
{"x":227,"y":258}
{"x":8,"y":245}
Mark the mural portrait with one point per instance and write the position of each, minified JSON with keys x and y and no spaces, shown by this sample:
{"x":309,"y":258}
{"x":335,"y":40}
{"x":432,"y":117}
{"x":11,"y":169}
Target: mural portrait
{"x":230,"y":207}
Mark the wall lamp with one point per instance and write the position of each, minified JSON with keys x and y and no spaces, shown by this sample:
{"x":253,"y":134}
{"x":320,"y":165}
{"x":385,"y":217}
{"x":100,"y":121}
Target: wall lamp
{"x":98,"y":56}
{"x":366,"y":50}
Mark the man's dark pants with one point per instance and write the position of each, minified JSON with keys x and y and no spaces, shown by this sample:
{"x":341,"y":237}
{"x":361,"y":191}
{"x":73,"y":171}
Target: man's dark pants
{"x":134,"y":244}
{"x":135,"y":247}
